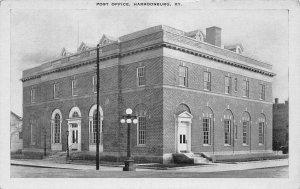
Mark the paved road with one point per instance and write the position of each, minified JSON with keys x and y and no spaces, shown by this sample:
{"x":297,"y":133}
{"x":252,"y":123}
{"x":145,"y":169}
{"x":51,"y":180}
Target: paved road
{"x":35,"y":172}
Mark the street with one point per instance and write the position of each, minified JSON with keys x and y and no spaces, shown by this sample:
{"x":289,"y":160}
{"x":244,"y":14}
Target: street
{"x":37,"y":172}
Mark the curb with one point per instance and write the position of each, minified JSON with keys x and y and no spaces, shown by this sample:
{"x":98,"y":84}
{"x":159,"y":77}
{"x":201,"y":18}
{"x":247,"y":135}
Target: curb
{"x":42,"y":166}
{"x":176,"y":168}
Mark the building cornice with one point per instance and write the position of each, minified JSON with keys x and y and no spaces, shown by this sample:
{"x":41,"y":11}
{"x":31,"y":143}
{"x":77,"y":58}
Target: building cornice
{"x":217,"y":59}
{"x":147,"y":48}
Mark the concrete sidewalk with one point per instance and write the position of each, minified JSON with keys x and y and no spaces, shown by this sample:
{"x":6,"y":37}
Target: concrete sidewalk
{"x":212,"y":167}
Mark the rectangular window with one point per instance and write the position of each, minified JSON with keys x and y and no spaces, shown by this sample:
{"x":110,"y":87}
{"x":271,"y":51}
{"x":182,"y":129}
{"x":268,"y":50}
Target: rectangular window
{"x":262,"y":92}
{"x":74,"y":87}
{"x":245,"y":132}
{"x":235,"y":84}
{"x":207,"y":81}
{"x":206,"y":131}
{"x":227,"y":132}
{"x":261,"y":128}
{"x":21,"y":135}
{"x":141,"y":80}
{"x":183,"y":74}
{"x":32,"y":95}
{"x":141,"y":130}
{"x":227,"y":85}
{"x":55,"y":90}
{"x":246,"y":88}
{"x":95,"y":83}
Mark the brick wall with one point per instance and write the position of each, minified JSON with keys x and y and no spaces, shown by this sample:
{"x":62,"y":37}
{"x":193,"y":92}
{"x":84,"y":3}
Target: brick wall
{"x":197,"y":102}
{"x":112,"y":102}
{"x":196,"y":99}
{"x":196,"y":74}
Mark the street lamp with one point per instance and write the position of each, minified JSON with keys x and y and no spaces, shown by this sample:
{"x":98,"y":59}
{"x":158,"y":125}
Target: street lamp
{"x":128,"y":118}
{"x":67,"y":132}
{"x":97,"y":115}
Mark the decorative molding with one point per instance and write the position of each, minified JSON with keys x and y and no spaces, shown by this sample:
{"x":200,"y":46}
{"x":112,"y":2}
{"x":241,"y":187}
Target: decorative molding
{"x":147,"y":48}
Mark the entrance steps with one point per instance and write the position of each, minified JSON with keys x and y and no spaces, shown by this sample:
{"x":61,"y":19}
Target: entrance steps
{"x":189,"y":158}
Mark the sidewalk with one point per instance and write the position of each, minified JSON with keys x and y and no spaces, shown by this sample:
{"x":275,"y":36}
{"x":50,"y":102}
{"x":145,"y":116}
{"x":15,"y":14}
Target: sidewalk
{"x":212,"y":167}
{"x":51,"y":164}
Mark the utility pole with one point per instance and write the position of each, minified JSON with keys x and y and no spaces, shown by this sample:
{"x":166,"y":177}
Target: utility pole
{"x":97,"y":115}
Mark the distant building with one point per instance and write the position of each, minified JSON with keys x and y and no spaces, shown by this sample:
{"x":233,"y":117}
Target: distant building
{"x":16,"y":140}
{"x":190,"y":93}
{"x":280,"y":124}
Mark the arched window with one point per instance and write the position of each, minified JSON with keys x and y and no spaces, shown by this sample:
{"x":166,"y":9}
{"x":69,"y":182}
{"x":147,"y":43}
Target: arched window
{"x":57,"y":128}
{"x":246,"y":127}
{"x":93,"y":129}
{"x":56,"y":120}
{"x":206,"y":123}
{"x":228,"y":121}
{"x":93,"y":125}
{"x":141,"y":111}
{"x":261,"y":129}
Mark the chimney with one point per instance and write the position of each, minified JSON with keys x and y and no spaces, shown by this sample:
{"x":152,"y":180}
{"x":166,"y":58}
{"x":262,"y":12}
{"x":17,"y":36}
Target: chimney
{"x":286,"y":102}
{"x":213,"y":35}
{"x":276,"y":100}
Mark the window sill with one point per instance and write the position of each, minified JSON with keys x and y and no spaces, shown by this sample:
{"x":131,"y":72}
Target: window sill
{"x":141,"y":145}
{"x":227,"y":144}
{"x":245,"y":145}
{"x":207,"y":90}
{"x":260,"y":144}
{"x":206,"y":145}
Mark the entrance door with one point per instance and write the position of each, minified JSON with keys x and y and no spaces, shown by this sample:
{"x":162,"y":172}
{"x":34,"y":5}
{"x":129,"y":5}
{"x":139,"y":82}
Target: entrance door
{"x":73,"y":137}
{"x":182,"y":137}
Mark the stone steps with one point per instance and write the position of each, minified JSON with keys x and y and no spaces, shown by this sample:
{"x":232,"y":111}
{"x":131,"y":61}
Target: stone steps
{"x":57,"y":156}
{"x":189,"y":158}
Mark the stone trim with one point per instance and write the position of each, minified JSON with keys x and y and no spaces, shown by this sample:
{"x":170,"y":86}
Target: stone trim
{"x":156,"y":86}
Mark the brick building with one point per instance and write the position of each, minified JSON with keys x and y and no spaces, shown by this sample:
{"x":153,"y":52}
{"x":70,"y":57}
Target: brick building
{"x":280,"y":124}
{"x":190,"y":93}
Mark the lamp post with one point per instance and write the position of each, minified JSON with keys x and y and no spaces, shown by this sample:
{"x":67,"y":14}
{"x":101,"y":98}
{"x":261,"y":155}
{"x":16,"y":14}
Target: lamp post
{"x":129,"y":118}
{"x":67,"y":132}
{"x":97,"y":115}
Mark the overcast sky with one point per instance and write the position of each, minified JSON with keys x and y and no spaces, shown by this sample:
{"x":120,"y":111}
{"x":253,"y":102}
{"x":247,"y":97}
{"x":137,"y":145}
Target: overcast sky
{"x":39,"y":35}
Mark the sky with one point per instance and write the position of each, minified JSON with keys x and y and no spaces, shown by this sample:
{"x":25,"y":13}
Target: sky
{"x":40,"y":35}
